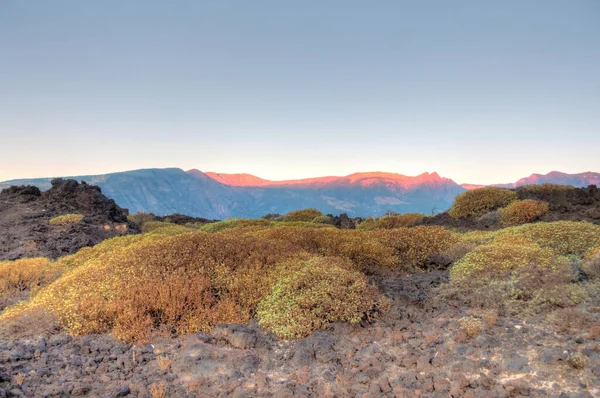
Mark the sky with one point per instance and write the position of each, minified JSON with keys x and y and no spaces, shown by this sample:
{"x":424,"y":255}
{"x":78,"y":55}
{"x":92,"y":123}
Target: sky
{"x":478,"y":91}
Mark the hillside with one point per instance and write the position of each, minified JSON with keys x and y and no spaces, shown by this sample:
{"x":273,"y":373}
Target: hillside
{"x":578,"y":180}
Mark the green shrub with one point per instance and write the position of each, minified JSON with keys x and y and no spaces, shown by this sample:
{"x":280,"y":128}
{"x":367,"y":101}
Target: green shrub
{"x":477,"y":202}
{"x":563,"y":237}
{"x":499,"y":257}
{"x":523,"y":212}
{"x":302,"y":215}
{"x":140,"y":218}
{"x":322,"y":220}
{"x":324,"y":290}
{"x":66,"y":219}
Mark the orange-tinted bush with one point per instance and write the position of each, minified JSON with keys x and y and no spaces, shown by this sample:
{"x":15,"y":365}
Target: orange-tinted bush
{"x":477,"y":202}
{"x":523,"y":212}
{"x":412,"y":246}
{"x":364,"y":251}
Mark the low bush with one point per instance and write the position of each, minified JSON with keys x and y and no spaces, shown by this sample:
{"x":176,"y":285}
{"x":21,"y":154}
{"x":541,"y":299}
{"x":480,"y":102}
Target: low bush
{"x":140,"y":218}
{"x":500,"y":257}
{"x":413,"y":246}
{"x":477,"y":202}
{"x":324,"y":290}
{"x":563,"y":237}
{"x":391,"y":222}
{"x":323,"y":220}
{"x":524,"y":290}
{"x":523,"y":212}
{"x":363,"y":250}
{"x":66,"y":219}
{"x":180,"y":284}
{"x":21,"y":277}
{"x":591,"y":263}
{"x":302,"y":215}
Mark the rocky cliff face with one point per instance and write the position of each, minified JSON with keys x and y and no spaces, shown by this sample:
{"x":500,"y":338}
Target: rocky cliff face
{"x":25,"y":212}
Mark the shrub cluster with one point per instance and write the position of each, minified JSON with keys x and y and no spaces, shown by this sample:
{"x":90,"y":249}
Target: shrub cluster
{"x":563,"y":237}
{"x":20,"y":277}
{"x":324,"y":290}
{"x":523,"y":212}
{"x":477,"y":202}
{"x":391,"y":222}
{"x":140,"y":218}
{"x":500,"y":257}
{"x":302,"y":215}
{"x":412,"y":246}
{"x":66,"y":219}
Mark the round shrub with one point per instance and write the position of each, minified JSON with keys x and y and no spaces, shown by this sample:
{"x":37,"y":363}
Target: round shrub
{"x":523,"y":212}
{"x":324,"y":290}
{"x":499,"y":257}
{"x":413,"y":246}
{"x":66,"y":219}
{"x":322,"y":220}
{"x":477,"y":202}
{"x":563,"y":237}
{"x":302,"y":215}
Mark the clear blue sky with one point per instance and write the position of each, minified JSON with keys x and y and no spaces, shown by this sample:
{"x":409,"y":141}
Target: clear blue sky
{"x":479,"y":91}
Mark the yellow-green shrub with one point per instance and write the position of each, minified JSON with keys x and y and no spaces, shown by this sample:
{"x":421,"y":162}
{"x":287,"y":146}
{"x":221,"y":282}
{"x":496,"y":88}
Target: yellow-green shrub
{"x":499,"y":257}
{"x":413,"y":245}
{"x":66,"y":219}
{"x":477,"y":202}
{"x":324,"y":290}
{"x":302,"y":215}
{"x":523,"y":211}
{"x":391,"y":222}
{"x":322,"y":220}
{"x":140,"y":218}
{"x":564,"y":237}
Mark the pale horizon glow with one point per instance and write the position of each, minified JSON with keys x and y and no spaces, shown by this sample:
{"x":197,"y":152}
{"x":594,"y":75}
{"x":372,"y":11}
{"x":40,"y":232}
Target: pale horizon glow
{"x":479,"y":92}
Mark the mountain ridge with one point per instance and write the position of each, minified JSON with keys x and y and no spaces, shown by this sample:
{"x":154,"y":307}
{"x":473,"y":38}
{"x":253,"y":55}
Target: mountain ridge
{"x":220,"y":195}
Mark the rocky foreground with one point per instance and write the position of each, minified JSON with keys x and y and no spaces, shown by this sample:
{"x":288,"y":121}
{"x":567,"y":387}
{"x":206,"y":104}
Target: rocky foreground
{"x":418,"y":349}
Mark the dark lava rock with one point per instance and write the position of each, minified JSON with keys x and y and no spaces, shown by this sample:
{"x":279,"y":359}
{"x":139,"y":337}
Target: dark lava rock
{"x":25,"y":212}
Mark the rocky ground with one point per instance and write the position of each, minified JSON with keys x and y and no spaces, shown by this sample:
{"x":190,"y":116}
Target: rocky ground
{"x":418,"y":349}
{"x":25,"y":213}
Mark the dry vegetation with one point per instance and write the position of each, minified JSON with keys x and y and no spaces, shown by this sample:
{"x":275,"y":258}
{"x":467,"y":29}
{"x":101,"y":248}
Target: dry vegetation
{"x":478,"y":202}
{"x":391,"y":222}
{"x":297,"y":275}
{"x":523,"y":212}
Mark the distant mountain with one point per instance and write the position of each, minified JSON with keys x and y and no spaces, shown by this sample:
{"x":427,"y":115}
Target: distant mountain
{"x":554,"y":177}
{"x":214,"y":195}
